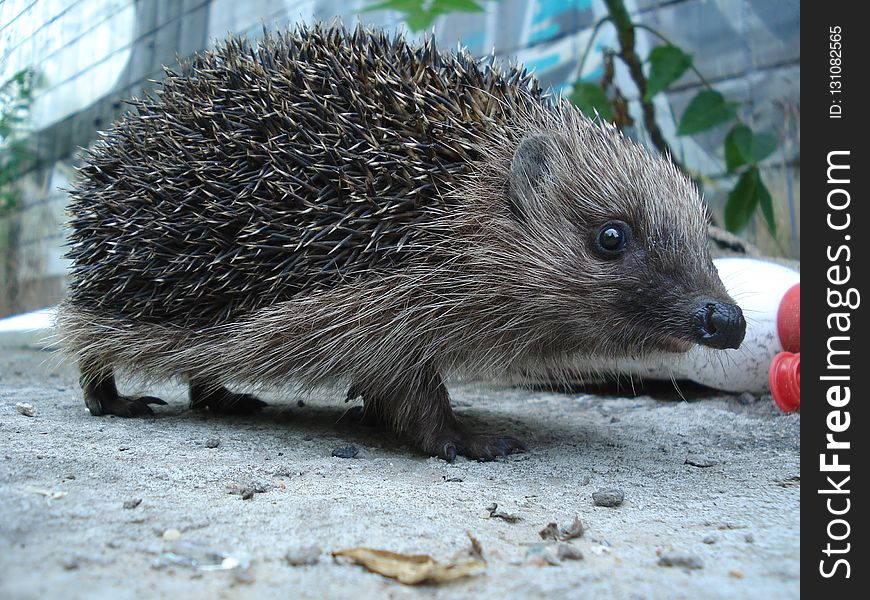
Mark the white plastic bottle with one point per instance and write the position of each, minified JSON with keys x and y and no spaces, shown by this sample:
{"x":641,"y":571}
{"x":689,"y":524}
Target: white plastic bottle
{"x":758,"y":287}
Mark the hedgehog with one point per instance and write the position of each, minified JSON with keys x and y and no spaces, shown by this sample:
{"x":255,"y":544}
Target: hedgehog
{"x":346,"y":207}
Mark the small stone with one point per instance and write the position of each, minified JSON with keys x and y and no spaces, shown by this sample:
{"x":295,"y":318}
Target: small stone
{"x":132,"y":503}
{"x":246,"y":491}
{"x":212,"y":443}
{"x":303,"y":556}
{"x":700,"y":460}
{"x":25,"y":409}
{"x":171,"y":535}
{"x":69,"y":476}
{"x":349,"y":451}
{"x":568,"y":552}
{"x":736,"y":573}
{"x":71,"y":563}
{"x":608,"y":497}
{"x":749,"y":538}
{"x":746,"y":398}
{"x":686,"y":561}
{"x":300,"y":403}
{"x":541,"y":555}
{"x":709,"y":539}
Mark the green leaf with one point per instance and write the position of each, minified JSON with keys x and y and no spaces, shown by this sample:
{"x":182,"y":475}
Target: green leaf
{"x":667,"y":64}
{"x":418,"y":21}
{"x":733,"y":156}
{"x":589,"y":97}
{"x":706,"y":110}
{"x":742,"y":147}
{"x":420,"y":14}
{"x":765,"y":201}
{"x":399,"y":5}
{"x":749,"y":193}
{"x":456,"y":5}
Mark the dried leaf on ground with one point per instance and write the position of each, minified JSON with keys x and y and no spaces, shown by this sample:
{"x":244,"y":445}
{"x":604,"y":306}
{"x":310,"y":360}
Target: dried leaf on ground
{"x":411,"y":569}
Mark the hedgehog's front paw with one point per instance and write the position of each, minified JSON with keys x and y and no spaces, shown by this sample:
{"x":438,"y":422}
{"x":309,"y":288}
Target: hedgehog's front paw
{"x":477,"y":446}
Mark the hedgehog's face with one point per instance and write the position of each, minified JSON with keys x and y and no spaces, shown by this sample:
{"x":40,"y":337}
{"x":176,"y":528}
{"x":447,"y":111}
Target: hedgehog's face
{"x":624,"y":241}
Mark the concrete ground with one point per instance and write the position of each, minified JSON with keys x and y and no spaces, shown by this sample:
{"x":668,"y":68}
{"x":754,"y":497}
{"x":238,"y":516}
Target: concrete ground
{"x":192,"y":505}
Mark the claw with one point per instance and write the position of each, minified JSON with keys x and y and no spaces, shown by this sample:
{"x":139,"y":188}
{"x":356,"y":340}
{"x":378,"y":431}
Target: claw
{"x":151,"y":400}
{"x":448,"y":452}
{"x":124,"y":406}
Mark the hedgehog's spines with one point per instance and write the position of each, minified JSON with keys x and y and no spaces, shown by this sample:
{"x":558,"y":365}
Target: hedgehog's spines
{"x":251,"y":176}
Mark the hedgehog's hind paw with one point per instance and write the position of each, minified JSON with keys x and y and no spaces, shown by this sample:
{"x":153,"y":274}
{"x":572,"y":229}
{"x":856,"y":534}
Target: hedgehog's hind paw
{"x":121,"y":406}
{"x":221,"y":400}
{"x":476,"y":446}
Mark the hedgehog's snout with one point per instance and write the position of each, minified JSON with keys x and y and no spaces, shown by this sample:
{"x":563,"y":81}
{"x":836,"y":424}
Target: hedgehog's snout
{"x":718,"y":324}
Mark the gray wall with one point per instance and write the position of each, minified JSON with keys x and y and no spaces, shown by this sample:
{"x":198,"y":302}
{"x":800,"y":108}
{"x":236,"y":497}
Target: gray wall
{"x":91,"y":54}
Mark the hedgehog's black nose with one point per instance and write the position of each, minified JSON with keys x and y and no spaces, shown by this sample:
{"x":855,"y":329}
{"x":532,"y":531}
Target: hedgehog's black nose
{"x":719,"y":325}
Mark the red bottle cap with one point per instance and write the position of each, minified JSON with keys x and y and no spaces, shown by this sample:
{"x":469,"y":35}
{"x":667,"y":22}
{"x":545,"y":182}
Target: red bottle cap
{"x":784,"y":376}
{"x":788,"y":319}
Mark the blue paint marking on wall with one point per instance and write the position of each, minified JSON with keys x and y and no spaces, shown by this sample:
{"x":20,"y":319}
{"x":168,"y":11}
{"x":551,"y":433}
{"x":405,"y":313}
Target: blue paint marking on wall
{"x":474,"y":40}
{"x":546,"y":9}
{"x":543,"y":63}
{"x":544,"y":33}
{"x":550,"y":18}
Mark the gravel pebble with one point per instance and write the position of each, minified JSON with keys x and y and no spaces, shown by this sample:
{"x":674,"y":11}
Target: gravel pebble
{"x":349,"y":451}
{"x":608,"y":497}
{"x":568,"y":552}
{"x":212,"y":443}
{"x":132,"y":503}
{"x":701,"y":461}
{"x":541,"y":555}
{"x":686,"y":561}
{"x":25,"y":409}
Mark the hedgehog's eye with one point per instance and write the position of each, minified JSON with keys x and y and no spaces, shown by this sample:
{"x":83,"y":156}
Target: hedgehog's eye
{"x":612,"y":239}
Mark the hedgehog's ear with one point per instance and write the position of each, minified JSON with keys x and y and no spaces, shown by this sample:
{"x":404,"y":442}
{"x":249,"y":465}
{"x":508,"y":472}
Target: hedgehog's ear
{"x":530,"y":166}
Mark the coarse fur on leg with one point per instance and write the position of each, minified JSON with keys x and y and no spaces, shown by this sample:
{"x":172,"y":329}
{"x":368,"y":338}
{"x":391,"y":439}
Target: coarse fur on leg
{"x":101,"y":393}
{"x":205,"y":394}
{"x":419,"y":409}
